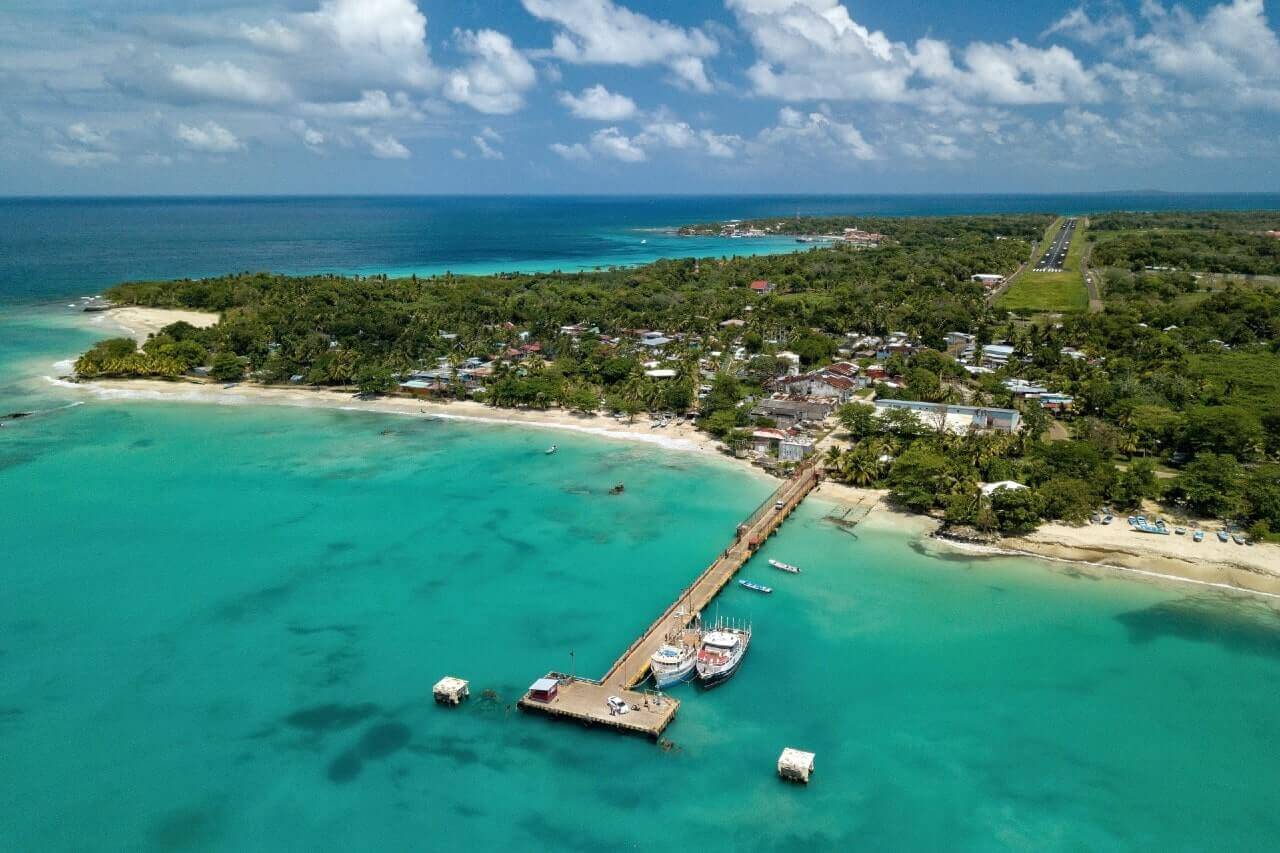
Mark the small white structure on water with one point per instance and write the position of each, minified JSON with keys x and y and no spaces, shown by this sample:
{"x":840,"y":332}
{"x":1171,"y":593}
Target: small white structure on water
{"x":795,"y":765}
{"x":451,"y":691}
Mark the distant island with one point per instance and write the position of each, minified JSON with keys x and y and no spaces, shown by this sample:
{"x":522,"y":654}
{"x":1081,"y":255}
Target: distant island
{"x":996,"y":372}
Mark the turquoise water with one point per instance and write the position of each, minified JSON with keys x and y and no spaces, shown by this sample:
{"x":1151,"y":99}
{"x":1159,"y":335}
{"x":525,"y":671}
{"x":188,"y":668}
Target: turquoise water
{"x":220,"y":626}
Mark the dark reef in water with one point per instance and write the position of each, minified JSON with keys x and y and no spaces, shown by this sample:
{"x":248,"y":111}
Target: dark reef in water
{"x":378,"y":742}
{"x":332,"y":717}
{"x":1242,"y":627}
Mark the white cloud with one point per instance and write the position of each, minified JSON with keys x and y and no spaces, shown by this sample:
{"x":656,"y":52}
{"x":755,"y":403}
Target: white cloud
{"x":605,"y":33}
{"x":458,"y":153}
{"x":384,"y":146}
{"x":680,"y":136}
{"x":82,"y":134}
{"x":495,"y":79}
{"x":1231,"y":54}
{"x":485,"y":141}
{"x":80,"y":158}
{"x":272,"y":35}
{"x":815,"y":134}
{"x":311,"y":137}
{"x":612,"y":142}
{"x":210,"y":137}
{"x":384,"y":37}
{"x":1078,"y":24}
{"x":814,"y":49}
{"x":576,"y":151}
{"x":599,"y":104}
{"x":373,"y":105}
{"x":226,"y":81}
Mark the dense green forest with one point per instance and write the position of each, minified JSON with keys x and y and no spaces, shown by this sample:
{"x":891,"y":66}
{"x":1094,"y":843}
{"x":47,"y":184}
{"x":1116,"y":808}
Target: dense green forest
{"x":1176,"y":383}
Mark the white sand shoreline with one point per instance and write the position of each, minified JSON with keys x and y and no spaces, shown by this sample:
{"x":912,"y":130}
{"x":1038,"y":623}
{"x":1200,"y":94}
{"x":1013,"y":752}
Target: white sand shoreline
{"x":1254,"y":570}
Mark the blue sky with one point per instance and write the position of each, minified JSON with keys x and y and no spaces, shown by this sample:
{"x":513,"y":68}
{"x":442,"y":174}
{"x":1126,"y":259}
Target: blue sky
{"x":625,"y":96}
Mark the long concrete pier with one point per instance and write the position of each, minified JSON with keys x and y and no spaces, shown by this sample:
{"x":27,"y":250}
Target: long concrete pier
{"x":585,"y":699}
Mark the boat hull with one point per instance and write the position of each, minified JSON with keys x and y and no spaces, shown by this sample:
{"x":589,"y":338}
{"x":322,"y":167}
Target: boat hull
{"x":672,"y":677}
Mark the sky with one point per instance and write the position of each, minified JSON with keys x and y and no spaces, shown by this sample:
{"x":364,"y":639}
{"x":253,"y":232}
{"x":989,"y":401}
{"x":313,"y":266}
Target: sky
{"x":124,"y":97}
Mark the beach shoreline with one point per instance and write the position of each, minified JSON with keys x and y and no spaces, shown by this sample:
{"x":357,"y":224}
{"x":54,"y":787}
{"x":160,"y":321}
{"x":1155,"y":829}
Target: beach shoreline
{"x":1249,"y":569}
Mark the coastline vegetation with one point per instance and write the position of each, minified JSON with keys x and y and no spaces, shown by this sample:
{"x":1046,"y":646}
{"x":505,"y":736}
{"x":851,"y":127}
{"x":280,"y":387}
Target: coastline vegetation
{"x":1176,"y":384}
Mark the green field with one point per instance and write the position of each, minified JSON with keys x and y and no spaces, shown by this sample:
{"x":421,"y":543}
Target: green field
{"x":1044,"y":292}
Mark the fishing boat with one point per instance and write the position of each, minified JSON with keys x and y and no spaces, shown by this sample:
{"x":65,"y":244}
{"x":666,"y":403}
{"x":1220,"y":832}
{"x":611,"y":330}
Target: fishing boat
{"x":756,"y":587}
{"x":1237,"y":538}
{"x":785,"y":567}
{"x":673,"y":664}
{"x":1151,"y":528}
{"x":1198,"y":536}
{"x":721,"y":653}
{"x":552,"y":449}
{"x":1222,"y":536}
{"x":1132,"y":521}
{"x":1180,"y":530}
{"x":1108,"y":518}
{"x":618,"y":489}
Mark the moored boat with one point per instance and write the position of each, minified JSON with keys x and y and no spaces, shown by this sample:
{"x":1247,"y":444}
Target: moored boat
{"x":1198,"y":536}
{"x":673,"y":664}
{"x":1222,"y":536}
{"x":552,"y":449}
{"x":721,"y":653}
{"x":755,"y":587}
{"x":785,"y":567}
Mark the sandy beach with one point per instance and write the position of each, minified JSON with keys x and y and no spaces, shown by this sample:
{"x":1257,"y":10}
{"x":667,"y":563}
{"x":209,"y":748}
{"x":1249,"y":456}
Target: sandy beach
{"x":1109,"y":547}
{"x":142,"y":322}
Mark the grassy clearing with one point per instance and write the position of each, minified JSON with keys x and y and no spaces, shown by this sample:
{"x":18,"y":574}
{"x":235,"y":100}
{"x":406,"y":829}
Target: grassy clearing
{"x":1042,"y":292}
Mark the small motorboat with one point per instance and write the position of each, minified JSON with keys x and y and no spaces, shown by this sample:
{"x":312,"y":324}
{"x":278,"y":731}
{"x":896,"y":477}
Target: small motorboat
{"x":618,"y":489}
{"x":755,"y":587}
{"x":552,"y":449}
{"x":1237,"y":538}
{"x":1198,"y":536}
{"x":785,"y":567}
{"x":1222,"y":536}
{"x":1181,"y":531}
{"x":1159,"y":529}
{"x":1108,"y":518}
{"x":1132,"y":521}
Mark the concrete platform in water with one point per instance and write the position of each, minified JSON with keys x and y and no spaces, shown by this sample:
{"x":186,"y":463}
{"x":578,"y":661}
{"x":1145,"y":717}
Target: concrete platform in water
{"x":586,"y":702}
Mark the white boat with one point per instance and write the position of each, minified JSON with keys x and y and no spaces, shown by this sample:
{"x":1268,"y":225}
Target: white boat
{"x":552,"y":449}
{"x":785,"y":567}
{"x":721,"y":653}
{"x":673,"y":664}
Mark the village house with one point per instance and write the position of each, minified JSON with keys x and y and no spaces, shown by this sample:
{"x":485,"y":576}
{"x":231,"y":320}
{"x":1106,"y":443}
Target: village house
{"x":794,"y":449}
{"x":838,"y":382}
{"x":788,"y":414}
{"x":863,"y":239}
{"x":790,"y":362}
{"x":955,"y":419}
{"x":996,"y":356}
{"x":762,"y":287}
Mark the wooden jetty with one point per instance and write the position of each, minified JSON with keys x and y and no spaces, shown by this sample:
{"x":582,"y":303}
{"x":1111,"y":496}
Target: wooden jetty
{"x":586,"y":700}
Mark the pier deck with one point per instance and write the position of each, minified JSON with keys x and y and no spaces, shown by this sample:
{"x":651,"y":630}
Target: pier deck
{"x":585,"y":700}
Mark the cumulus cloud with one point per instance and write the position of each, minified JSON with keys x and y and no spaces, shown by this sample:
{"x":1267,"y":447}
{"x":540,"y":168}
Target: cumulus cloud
{"x":1079,"y":25}
{"x":384,"y":37}
{"x":814,"y":49}
{"x":613,"y":143}
{"x":576,"y":151}
{"x":495,"y":79}
{"x":605,"y":33}
{"x":373,"y":105}
{"x":210,"y":138}
{"x":310,"y":137}
{"x":227,"y":81}
{"x":815,"y":134}
{"x":384,"y":146}
{"x":680,"y":136}
{"x":485,"y":142}
{"x":599,"y":104}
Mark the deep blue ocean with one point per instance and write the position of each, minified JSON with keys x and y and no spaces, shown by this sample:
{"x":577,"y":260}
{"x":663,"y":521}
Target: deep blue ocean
{"x":53,"y":248}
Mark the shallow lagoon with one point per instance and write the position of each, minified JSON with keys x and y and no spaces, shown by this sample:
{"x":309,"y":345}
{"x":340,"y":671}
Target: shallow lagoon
{"x":221,"y":625}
